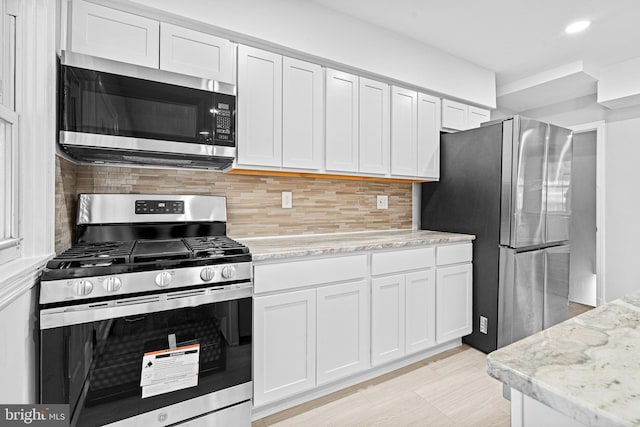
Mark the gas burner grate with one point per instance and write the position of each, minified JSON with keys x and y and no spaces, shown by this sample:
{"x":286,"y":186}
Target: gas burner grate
{"x":93,"y":255}
{"x":214,"y":246}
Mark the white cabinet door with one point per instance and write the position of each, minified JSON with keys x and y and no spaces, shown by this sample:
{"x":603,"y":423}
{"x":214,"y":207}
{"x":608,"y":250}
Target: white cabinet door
{"x":342,"y":330}
{"x":259,"y":107}
{"x":374,"y":127}
{"x":428,"y":136}
{"x":453,"y":302}
{"x":341,"y":122}
{"x":302,"y":125}
{"x":186,"y":51}
{"x":454,"y":115}
{"x":284,"y":336}
{"x":404,"y":132}
{"x":459,"y":116}
{"x":113,"y":34}
{"x":477,"y":116}
{"x":387,"y":318}
{"x":420,"y":310}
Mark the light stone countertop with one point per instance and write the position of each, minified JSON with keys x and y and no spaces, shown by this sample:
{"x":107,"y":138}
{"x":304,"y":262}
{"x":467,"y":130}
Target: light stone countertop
{"x":587,"y":367}
{"x":271,"y":248}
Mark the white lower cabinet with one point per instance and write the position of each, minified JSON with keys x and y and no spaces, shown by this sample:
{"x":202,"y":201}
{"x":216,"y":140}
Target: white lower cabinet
{"x":454,"y":302}
{"x":387,"y":318}
{"x":322,"y":321}
{"x":403,"y":311}
{"x":420,"y":309}
{"x":342,"y":330}
{"x":284,"y":333}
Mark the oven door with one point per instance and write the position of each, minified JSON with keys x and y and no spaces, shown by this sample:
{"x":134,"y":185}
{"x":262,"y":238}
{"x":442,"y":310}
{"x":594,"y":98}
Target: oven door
{"x":150,"y":360}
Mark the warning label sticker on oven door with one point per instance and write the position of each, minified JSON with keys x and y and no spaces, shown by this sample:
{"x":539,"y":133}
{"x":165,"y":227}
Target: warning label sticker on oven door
{"x":169,"y":370}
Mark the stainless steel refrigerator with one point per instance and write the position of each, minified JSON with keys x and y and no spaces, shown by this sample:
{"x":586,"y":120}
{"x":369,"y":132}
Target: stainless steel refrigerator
{"x":509,"y":183}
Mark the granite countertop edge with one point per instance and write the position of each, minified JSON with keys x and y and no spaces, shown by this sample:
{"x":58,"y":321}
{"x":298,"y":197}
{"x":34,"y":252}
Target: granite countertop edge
{"x":281,"y":247}
{"x":525,"y":377}
{"x":552,"y":397}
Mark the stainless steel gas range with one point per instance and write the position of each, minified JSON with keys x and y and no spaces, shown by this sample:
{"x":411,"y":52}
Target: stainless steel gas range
{"x":146,"y":320}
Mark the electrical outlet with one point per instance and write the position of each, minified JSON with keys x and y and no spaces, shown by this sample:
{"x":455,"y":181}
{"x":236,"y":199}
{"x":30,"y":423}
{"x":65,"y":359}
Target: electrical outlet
{"x":382,"y":202}
{"x":484,"y":324}
{"x":287,"y":200}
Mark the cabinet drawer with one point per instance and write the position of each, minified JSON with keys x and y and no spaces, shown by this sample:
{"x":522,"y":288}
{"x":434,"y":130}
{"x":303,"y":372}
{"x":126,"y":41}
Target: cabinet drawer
{"x":295,"y":274}
{"x":402,"y":260}
{"x":454,"y":254}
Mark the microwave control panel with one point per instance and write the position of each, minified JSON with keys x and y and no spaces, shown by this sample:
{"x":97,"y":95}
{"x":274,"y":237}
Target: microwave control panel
{"x":224,"y":119}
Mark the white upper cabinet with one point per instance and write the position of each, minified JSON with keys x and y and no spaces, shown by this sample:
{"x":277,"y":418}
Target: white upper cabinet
{"x":109,"y":33}
{"x":302,"y":125}
{"x":459,"y":116}
{"x":428,"y":136}
{"x":454,"y":115}
{"x":477,"y":116}
{"x":259,"y":107}
{"x":341,"y":122}
{"x":374,"y":127}
{"x":194,"y":53}
{"x":404,"y":132}
{"x":126,"y":37}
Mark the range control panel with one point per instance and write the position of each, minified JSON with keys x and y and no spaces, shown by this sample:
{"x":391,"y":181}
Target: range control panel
{"x":159,"y":207}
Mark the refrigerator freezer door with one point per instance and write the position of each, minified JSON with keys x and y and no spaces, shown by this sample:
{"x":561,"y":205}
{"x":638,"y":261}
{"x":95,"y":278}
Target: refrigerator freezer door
{"x":559,"y":159}
{"x":528,"y":177}
{"x":521,"y":294}
{"x":556,"y":293}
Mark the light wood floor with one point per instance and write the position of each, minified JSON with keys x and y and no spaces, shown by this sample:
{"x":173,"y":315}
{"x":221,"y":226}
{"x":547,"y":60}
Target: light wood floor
{"x":577,"y":308}
{"x":450,"y":389}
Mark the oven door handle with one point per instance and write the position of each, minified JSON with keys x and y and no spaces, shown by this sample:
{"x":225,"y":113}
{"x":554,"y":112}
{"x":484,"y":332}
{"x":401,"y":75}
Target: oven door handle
{"x":93,"y":312}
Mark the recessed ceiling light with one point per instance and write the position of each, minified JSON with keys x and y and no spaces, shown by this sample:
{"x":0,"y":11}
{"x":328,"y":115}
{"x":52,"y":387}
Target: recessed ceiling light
{"x":576,"y":27}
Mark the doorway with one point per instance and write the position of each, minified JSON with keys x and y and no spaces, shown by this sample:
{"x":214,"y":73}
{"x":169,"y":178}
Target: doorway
{"x":583,"y":265}
{"x":599,"y":129}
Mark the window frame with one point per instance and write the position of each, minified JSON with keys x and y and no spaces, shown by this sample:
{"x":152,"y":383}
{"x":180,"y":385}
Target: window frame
{"x":10,"y":238}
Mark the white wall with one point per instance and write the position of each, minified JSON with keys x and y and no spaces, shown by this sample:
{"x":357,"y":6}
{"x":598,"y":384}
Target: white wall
{"x":622,"y":175}
{"x":17,"y":350}
{"x":307,"y":27}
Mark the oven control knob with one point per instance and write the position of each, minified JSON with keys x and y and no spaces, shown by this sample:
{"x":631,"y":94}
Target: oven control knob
{"x":112,"y":284}
{"x":207,"y":274}
{"x":163,"y":279}
{"x":228,"y":272}
{"x":83,"y":287}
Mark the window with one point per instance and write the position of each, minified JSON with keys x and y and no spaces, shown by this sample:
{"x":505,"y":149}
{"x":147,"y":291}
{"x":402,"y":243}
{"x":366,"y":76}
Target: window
{"x":9,"y":233}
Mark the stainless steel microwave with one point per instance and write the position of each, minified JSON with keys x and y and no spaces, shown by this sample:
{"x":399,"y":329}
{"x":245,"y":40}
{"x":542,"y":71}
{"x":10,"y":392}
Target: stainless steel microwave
{"x":113,"y":112}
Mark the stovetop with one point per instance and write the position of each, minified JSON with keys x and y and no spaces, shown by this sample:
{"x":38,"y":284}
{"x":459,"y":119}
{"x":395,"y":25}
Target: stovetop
{"x":142,"y":246}
{"x":102,"y":258}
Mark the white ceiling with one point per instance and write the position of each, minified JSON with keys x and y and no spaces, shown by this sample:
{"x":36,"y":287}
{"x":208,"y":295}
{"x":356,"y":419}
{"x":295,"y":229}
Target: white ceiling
{"x":515,"y":38}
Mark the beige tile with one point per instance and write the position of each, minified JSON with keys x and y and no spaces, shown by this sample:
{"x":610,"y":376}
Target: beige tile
{"x":253,"y":202}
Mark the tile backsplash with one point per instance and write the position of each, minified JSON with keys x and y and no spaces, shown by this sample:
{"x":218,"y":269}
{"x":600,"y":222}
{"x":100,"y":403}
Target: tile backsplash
{"x":253,"y":202}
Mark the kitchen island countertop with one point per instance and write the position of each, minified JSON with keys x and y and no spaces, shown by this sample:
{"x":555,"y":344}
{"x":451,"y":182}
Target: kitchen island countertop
{"x":587,"y":368}
{"x":271,"y":248}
